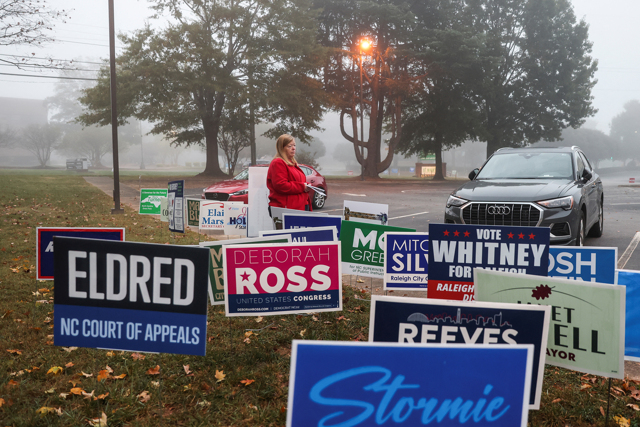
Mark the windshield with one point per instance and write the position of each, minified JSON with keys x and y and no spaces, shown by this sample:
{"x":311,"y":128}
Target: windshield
{"x":528,"y":166}
{"x":242,"y":175}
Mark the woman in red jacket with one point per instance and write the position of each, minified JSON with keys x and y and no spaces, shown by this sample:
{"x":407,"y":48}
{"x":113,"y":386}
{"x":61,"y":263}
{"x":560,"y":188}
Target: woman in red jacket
{"x":286,"y":182}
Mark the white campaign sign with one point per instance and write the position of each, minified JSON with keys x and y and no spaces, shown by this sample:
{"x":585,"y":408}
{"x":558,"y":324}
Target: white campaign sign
{"x":211,"y":215}
{"x":235,"y":219}
{"x":258,"y":202}
{"x":374,"y":213}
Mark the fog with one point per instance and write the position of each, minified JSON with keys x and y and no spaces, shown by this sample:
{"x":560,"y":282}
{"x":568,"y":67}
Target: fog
{"x":613,"y":31}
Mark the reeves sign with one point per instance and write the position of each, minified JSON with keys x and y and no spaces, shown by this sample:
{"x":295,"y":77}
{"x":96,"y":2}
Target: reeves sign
{"x":455,"y":250}
{"x":130,"y":296}
{"x":372,"y":384}
{"x":419,"y":320}
{"x":587,"y":319}
{"x":282,"y":278}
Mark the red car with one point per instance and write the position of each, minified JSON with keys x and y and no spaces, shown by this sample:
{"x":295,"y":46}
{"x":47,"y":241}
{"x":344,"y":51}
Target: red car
{"x":236,"y":189}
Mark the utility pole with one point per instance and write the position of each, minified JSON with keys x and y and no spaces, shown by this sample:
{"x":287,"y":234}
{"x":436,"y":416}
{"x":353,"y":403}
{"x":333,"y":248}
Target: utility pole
{"x":114,"y":113}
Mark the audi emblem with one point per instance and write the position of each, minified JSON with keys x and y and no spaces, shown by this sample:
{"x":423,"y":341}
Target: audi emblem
{"x":498,"y":210}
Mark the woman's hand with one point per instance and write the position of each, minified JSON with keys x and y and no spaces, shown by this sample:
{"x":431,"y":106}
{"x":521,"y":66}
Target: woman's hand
{"x":306,"y":188}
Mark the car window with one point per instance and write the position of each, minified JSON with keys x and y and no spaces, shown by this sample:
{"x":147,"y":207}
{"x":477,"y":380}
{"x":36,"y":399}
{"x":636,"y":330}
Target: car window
{"x":306,"y":170}
{"x":580,"y":165}
{"x":586,"y":161}
{"x":242,"y":175}
{"x":527,"y":166}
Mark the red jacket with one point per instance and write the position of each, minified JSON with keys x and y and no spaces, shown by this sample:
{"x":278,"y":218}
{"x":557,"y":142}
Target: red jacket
{"x":286,"y":185}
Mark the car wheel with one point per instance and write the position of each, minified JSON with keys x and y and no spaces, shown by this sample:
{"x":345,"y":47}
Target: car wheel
{"x":598,"y":228}
{"x":580,"y":236}
{"x":318,"y":200}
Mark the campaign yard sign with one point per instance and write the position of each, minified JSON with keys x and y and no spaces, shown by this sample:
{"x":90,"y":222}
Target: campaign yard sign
{"x":282,"y":278}
{"x":363,"y":247}
{"x":373,"y":213}
{"x":419,"y":320}
{"x":589,"y":264}
{"x":258,"y":201}
{"x":193,"y":212}
{"x":151,"y":200}
{"x":175,"y":204}
{"x":301,"y":235}
{"x":631,"y":280}
{"x":164,"y":210}
{"x":235,"y":218}
{"x":334,"y":383}
{"x":216,"y":264}
{"x":44,"y":243}
{"x":277,"y":213}
{"x":211,"y":215}
{"x":306,"y":220}
{"x":587,"y":319}
{"x":406,"y":257}
{"x":130,"y":296}
{"x":456,"y":249}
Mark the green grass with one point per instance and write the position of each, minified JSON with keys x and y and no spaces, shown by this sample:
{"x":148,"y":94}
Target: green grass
{"x":185,"y":390}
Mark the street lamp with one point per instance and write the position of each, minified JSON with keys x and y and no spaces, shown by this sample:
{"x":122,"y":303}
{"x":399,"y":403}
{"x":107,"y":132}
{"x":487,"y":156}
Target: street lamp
{"x":364,"y":45}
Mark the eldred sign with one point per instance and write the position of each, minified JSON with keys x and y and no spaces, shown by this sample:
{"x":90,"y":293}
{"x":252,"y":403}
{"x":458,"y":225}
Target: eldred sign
{"x":418,"y":320}
{"x":363,"y":247}
{"x":371,"y":384}
{"x":193,"y":212}
{"x":301,"y":235}
{"x":282,"y":278}
{"x":211,"y":215}
{"x":455,"y":250}
{"x":406,"y":257}
{"x":216,"y":266}
{"x":175,"y":204}
{"x":303,"y":220}
{"x":583,"y":263}
{"x":151,"y":200}
{"x":130,"y":296}
{"x":631,"y":280}
{"x":44,"y":243}
{"x":587,"y":319}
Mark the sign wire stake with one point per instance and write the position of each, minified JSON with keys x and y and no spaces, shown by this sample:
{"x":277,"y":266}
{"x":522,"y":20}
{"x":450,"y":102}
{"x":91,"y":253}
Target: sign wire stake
{"x":606,"y":419}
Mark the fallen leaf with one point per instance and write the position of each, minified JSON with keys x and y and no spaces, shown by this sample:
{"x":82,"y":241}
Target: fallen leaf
{"x":154,"y":371}
{"x":556,"y":400}
{"x":108,"y":369}
{"x":247,"y":382}
{"x":633,"y":406}
{"x":18,"y":352}
{"x":103,"y":375}
{"x":248,"y":334}
{"x":314,"y":318}
{"x":156,"y":384}
{"x":69,"y":365}
{"x":88,"y":395}
{"x":259,"y":319}
{"x":219,"y":376}
{"x":1,"y":402}
{"x":602,"y":411}
{"x":86,"y":375}
{"x":103,"y":396}
{"x":110,"y":353}
{"x":119,"y":377}
{"x":63,"y":395}
{"x":76,"y":390}
{"x":621,"y":421}
{"x":55,"y":370}
{"x":585,"y":386}
{"x":48,"y":410}
{"x":13,"y":383}
{"x":50,"y":391}
{"x":144,"y":396}
{"x":186,"y":369}
{"x":137,"y":356}
{"x":302,"y":332}
{"x":247,"y":340}
{"x":359,"y":280}
{"x":99,"y":422}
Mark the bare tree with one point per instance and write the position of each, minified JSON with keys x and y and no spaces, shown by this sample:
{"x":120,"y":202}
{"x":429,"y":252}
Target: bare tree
{"x":41,"y":140}
{"x":7,"y":137}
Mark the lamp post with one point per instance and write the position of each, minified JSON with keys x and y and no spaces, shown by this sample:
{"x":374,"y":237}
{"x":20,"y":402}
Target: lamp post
{"x":364,"y":44}
{"x":114,"y":114}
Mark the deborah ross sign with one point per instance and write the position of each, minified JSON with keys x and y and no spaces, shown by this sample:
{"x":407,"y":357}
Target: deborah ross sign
{"x":44,"y":243}
{"x":375,"y":384}
{"x":456,"y":249}
{"x":130,"y":296}
{"x":406,"y":257}
{"x":587,"y":319}
{"x":363,"y":247}
{"x":216,"y":264}
{"x":584,"y":263}
{"x":418,"y":320}
{"x":282,"y":278}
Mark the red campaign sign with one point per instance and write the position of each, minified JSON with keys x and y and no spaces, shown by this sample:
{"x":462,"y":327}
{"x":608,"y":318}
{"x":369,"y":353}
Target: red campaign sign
{"x":282,"y":278}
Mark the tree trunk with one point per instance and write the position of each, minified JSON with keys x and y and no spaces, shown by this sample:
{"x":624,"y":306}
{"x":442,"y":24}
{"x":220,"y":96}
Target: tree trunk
{"x":437,"y":148}
{"x":211,"y":126}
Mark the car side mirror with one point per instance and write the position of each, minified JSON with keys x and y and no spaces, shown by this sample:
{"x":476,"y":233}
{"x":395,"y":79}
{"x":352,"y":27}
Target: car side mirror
{"x":473,"y":173}
{"x":586,"y":175}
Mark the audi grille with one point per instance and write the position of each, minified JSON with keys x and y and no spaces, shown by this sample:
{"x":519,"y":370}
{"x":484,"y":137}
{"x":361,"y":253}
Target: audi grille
{"x":519,"y":214}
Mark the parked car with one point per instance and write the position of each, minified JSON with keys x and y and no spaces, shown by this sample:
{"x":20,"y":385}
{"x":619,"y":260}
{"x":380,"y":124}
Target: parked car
{"x":237,"y":189}
{"x":541,"y":187}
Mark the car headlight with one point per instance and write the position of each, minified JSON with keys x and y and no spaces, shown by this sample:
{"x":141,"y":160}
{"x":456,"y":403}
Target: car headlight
{"x":565,"y":203}
{"x":239,"y":193}
{"x":455,"y":201}
{"x":204,"y":190}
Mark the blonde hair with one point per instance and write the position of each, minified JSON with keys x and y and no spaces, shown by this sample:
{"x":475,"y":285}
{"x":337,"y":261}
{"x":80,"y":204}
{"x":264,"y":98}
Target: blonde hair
{"x":283,"y":141}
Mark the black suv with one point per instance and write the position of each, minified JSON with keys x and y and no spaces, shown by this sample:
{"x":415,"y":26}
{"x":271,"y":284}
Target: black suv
{"x":538,"y":187}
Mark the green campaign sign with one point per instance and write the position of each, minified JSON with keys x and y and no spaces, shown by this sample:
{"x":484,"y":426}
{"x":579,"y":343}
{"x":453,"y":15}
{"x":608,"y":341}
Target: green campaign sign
{"x":151,"y":200}
{"x":587,"y":319}
{"x":193,"y":212}
{"x":216,"y":266}
{"x":362,"y":247}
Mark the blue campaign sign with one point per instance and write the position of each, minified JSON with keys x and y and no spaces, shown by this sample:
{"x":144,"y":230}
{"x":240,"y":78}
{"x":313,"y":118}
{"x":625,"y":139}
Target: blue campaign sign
{"x":580,"y":262}
{"x":130,"y":296}
{"x":308,"y":221}
{"x":301,"y":235}
{"x":456,"y":249}
{"x":369,"y":384}
{"x":419,"y":320}
{"x":631,"y":279}
{"x":44,"y":243}
{"x":406,"y":257}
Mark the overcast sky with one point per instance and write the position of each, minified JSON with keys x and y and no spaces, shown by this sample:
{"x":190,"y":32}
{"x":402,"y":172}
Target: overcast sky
{"x":614,"y":31}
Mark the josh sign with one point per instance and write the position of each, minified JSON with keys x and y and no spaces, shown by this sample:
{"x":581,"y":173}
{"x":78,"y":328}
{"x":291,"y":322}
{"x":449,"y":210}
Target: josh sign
{"x":282,"y":278}
{"x":405,"y":261}
{"x":455,"y":250}
{"x":130,"y":296}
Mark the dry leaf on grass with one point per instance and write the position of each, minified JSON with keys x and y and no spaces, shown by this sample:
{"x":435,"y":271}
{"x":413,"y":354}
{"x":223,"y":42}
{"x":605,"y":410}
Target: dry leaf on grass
{"x":18,"y":352}
{"x":186,"y":369}
{"x":633,"y":406}
{"x":219,"y":376}
{"x":103,"y":375}
{"x":302,"y":332}
{"x":69,"y":349}
{"x":86,"y":375}
{"x":247,"y":382}
{"x":137,"y":356}
{"x":119,"y":377}
{"x":69,"y":365}
{"x":154,"y":371}
{"x":55,"y":370}
{"x":76,"y":390}
{"x":99,"y":422}
{"x":47,"y":410}
{"x":621,"y":421}
{"x":144,"y":396}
